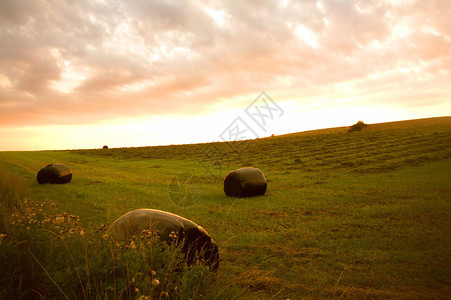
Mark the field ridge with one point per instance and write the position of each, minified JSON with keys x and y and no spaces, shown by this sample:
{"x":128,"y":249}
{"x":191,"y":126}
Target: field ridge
{"x":384,"y":146}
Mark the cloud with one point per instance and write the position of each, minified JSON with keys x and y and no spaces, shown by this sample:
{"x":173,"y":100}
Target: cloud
{"x":90,"y":61}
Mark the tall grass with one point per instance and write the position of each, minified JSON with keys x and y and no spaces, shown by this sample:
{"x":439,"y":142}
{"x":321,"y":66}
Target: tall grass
{"x":13,"y":190}
{"x":45,"y":254}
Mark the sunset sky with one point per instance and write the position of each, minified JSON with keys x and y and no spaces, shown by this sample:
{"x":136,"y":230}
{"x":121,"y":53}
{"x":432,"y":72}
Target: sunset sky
{"x":83,"y":74}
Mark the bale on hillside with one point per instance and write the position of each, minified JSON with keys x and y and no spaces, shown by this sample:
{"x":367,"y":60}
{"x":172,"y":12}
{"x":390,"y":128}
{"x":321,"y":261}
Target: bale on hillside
{"x":54,"y":173}
{"x":357,"y":126}
{"x":245,"y":182}
{"x":196,"y":241}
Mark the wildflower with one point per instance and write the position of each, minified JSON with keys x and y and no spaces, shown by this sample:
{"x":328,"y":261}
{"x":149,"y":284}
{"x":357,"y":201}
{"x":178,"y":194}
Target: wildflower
{"x":105,"y":236}
{"x":155,"y":282}
{"x":102,"y":227}
{"x":59,"y":220}
{"x":173,"y":235}
{"x":144,"y":297}
{"x":136,"y":290}
{"x":153,"y":273}
{"x":132,"y":245}
{"x":2,"y":235}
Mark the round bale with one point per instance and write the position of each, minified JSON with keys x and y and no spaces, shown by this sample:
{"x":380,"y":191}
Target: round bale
{"x":245,"y":182}
{"x":196,"y":241}
{"x":54,"y":173}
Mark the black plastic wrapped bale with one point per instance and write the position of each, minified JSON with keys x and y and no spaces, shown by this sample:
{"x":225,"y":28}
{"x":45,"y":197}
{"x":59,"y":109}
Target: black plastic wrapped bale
{"x":196,"y":241}
{"x":55,"y":173}
{"x":245,"y":182}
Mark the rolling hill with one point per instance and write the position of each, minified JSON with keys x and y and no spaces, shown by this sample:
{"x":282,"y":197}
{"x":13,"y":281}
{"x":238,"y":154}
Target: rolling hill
{"x":358,"y":215}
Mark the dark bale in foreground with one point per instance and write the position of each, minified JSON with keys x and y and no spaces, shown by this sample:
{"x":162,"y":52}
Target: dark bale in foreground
{"x":245,"y":182}
{"x":55,"y":173}
{"x":197,"y":242}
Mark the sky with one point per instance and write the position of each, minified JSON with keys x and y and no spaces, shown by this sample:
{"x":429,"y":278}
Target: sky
{"x":83,"y":74}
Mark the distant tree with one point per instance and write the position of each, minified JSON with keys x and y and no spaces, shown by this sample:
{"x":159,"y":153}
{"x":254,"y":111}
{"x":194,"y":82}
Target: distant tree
{"x":105,"y":147}
{"x":357,"y":126}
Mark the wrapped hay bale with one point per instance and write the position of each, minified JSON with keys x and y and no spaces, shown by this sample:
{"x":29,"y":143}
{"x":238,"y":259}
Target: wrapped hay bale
{"x":245,"y":182}
{"x":196,"y":241}
{"x":54,"y":173}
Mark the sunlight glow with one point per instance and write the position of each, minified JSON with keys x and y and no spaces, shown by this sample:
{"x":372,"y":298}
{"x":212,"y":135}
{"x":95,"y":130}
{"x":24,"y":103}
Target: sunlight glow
{"x":284,"y":3}
{"x":320,"y":6}
{"x":429,"y":29}
{"x":217,"y":15}
{"x":307,"y":36}
{"x":401,"y":30}
{"x":136,"y":86}
{"x":71,"y":77}
{"x":176,"y":129}
{"x":5,"y":83}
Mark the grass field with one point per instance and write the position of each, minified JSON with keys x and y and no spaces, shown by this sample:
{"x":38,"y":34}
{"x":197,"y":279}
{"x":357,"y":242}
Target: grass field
{"x":360,"y":215}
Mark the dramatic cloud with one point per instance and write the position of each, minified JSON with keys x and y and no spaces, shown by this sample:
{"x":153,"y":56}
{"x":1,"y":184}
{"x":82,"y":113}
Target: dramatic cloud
{"x":83,"y":62}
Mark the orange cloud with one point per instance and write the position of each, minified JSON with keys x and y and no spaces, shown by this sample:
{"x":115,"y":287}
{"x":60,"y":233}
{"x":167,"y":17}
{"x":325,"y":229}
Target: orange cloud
{"x":88,"y":62}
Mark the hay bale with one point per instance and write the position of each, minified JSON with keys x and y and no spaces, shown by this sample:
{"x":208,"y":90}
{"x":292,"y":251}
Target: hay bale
{"x":357,"y":126}
{"x":195,"y":239}
{"x":245,"y":182}
{"x":55,"y":173}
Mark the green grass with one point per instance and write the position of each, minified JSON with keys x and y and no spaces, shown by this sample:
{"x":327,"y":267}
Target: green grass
{"x":362,"y":215}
